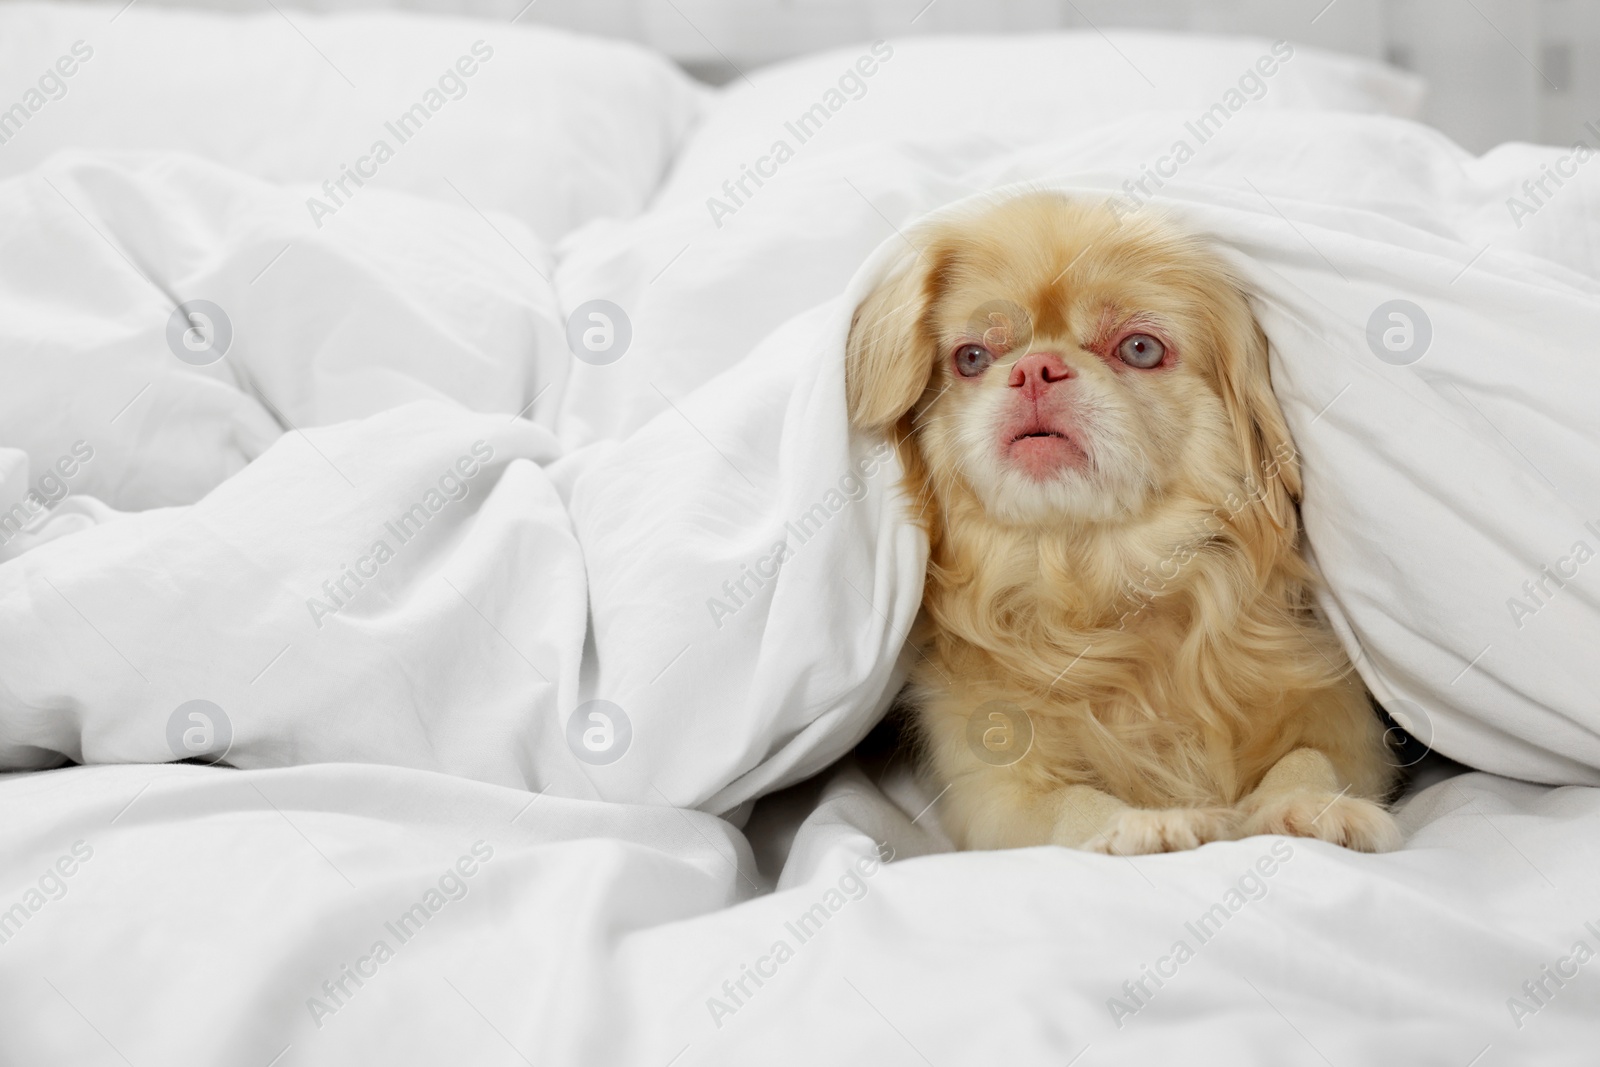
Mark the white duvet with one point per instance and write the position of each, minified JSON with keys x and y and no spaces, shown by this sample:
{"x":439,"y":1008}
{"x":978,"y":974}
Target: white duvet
{"x":565,"y":539}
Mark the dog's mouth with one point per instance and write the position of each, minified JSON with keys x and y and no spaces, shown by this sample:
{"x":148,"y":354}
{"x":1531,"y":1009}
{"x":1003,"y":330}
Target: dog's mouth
{"x":1042,"y":451}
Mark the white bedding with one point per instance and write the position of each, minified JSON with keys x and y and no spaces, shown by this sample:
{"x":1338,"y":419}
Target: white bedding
{"x":551,"y":127}
{"x":581,"y":626}
{"x":215,"y":905}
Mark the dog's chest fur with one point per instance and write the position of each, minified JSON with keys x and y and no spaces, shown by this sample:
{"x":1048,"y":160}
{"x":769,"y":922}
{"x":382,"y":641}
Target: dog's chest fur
{"x":1139,"y":669}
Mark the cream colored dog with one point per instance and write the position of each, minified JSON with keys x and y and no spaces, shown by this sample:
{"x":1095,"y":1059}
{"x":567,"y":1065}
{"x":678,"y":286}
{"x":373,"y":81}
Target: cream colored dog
{"x":1119,"y":649}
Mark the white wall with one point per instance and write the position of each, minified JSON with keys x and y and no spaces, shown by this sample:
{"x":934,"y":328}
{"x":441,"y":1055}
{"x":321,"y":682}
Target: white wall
{"x":1499,"y":69}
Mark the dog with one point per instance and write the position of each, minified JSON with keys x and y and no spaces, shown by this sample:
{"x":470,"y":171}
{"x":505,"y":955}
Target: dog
{"x":1119,"y":648}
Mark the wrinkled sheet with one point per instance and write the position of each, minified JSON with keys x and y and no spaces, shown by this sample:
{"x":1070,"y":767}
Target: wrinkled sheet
{"x":419,"y":586}
{"x":226,"y":917}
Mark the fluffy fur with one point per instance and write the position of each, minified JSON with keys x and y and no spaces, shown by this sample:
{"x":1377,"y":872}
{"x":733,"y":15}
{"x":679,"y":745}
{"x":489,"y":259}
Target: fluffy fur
{"x":1114,"y":564}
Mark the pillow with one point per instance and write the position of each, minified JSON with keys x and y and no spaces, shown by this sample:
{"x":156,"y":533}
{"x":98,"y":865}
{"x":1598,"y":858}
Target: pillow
{"x":996,"y":93}
{"x":551,"y":127}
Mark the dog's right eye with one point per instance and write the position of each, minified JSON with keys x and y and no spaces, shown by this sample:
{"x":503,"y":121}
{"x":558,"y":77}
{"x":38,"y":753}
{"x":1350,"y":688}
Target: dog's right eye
{"x":972,"y":360}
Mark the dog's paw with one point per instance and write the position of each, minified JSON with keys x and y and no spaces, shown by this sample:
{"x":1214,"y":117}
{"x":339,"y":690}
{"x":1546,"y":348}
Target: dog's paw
{"x":1142,"y":831}
{"x":1342,"y":820}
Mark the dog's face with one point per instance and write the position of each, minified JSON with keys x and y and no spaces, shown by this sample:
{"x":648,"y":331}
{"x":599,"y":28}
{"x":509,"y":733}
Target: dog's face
{"x":1070,"y":367}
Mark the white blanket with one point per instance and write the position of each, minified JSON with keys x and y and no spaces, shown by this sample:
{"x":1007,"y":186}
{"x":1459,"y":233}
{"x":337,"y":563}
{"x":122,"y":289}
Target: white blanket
{"x":345,"y":915}
{"x":741,"y":556}
{"x":418,"y":587}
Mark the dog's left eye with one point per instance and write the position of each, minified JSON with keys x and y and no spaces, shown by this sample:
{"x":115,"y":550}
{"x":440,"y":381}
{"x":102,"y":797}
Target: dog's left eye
{"x":972,"y":360}
{"x":1141,"y":350}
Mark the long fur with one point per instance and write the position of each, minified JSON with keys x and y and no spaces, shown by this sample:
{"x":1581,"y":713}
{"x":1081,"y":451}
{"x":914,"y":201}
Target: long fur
{"x":1153,"y":616}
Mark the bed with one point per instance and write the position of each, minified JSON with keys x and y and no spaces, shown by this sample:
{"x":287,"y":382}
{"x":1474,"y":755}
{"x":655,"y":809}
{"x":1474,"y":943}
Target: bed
{"x":444,"y":616}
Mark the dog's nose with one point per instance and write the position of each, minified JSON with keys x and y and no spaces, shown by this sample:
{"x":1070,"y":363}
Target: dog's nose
{"x":1037,"y":371}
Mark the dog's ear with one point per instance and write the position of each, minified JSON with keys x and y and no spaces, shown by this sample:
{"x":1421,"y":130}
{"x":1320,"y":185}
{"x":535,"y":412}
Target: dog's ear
{"x":890,"y":354}
{"x":1273,"y":474}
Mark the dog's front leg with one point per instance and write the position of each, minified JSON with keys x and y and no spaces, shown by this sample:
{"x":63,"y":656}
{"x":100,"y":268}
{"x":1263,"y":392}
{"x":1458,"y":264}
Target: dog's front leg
{"x":1089,"y":821}
{"x":1301,"y":796}
{"x":1000,"y":808}
{"x":1010,"y":807}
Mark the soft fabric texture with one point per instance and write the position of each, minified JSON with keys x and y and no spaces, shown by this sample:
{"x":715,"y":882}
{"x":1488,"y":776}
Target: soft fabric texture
{"x":972,"y":97}
{"x":401,"y":299}
{"x":218,"y":914}
{"x":550,"y":127}
{"x":283,"y":610}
